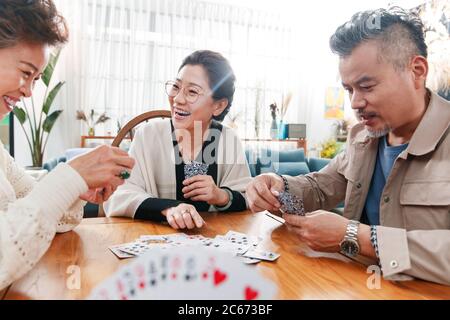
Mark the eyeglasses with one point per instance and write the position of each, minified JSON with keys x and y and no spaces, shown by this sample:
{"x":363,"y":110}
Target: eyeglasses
{"x":191,"y":93}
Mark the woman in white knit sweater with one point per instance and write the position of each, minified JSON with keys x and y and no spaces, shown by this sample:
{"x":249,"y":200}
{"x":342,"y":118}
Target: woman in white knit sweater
{"x":31,"y":213}
{"x":190,"y":163}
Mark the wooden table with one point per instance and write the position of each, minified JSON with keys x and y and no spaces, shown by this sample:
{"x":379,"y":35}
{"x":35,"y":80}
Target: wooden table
{"x":299,"y":273}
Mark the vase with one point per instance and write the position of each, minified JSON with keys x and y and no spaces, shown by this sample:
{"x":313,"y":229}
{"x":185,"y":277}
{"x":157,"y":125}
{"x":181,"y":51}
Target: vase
{"x":274,"y":129}
{"x":282,"y":131}
{"x":91,"y":132}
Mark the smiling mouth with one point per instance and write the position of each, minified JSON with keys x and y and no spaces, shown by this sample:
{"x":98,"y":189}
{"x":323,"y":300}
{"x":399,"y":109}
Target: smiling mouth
{"x":181,"y":113}
{"x":10,"y":102}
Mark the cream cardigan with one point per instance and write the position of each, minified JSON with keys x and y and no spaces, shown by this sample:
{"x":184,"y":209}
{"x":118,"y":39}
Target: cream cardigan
{"x":31,"y":213}
{"x":153,"y":175}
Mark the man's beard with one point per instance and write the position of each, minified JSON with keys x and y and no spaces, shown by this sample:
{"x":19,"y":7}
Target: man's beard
{"x":379,"y":133}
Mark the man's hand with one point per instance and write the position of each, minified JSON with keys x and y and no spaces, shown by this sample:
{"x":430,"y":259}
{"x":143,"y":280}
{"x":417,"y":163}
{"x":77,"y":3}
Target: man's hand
{"x":320,"y":230}
{"x":261,"y":192}
{"x":324,"y":231}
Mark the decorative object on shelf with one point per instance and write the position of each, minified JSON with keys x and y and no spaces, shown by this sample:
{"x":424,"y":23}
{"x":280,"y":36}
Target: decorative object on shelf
{"x":42,"y":124}
{"x":296,"y":131}
{"x":274,"y":125}
{"x":282,"y":128}
{"x":334,"y":103}
{"x":90,"y":121}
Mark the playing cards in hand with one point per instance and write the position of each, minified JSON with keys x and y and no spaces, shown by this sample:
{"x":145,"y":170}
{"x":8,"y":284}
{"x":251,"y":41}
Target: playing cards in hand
{"x":291,"y":204}
{"x":195,"y":168}
{"x":185,"y":273}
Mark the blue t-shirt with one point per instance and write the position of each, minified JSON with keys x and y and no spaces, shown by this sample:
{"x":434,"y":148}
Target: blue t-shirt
{"x":385,"y":161}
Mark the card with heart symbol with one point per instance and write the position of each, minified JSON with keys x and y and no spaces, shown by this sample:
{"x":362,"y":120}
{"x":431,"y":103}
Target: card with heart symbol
{"x":186,"y":273}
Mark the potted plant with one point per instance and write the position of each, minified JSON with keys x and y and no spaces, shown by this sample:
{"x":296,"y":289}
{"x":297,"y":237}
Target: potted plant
{"x":41,"y":121}
{"x":91,"y":121}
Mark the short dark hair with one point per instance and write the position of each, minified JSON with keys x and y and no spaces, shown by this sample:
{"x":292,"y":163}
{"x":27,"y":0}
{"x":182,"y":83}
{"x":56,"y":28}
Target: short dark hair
{"x":35,"y":21}
{"x":220,"y":75}
{"x":400,"y":34}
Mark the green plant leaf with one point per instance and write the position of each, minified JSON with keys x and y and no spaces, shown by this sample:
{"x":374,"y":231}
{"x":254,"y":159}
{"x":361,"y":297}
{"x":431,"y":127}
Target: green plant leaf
{"x":50,"y":121}
{"x":48,"y":71}
{"x":51,"y":97}
{"x":20,"y":114}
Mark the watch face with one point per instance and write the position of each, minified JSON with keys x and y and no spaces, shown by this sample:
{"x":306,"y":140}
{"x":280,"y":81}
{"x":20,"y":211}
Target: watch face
{"x":350,"y":247}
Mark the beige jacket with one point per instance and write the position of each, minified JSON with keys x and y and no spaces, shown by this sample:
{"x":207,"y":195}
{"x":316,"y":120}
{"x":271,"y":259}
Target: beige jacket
{"x":414,"y":236}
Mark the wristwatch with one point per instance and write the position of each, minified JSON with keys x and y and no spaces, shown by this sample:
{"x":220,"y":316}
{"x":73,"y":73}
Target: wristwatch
{"x":350,"y":246}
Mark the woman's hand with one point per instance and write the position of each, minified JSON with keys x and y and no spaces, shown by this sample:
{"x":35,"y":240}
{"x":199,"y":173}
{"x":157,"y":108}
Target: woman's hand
{"x":101,"y":167}
{"x":183,"y":216}
{"x":203,"y":188}
{"x":98,"y":196}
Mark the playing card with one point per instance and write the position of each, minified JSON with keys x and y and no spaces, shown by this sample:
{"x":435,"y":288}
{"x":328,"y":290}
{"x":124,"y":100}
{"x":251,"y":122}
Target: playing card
{"x":119,"y":253}
{"x":223,"y":244}
{"x":248,"y":260}
{"x":151,"y":237}
{"x":242,"y":238}
{"x":274,"y":217}
{"x":195,"y":168}
{"x":135,"y":248}
{"x":201,"y":273}
{"x":262,"y":255}
{"x":291,"y":204}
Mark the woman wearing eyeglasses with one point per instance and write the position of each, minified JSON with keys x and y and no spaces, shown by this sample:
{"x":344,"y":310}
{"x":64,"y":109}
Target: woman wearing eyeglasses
{"x":190,"y":163}
{"x":32,"y":212}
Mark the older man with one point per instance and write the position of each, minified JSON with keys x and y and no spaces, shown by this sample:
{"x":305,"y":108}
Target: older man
{"x":395,"y":172}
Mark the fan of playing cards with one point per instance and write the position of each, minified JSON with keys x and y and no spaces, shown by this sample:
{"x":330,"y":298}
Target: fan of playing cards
{"x":185,"y":274}
{"x":238,"y":244}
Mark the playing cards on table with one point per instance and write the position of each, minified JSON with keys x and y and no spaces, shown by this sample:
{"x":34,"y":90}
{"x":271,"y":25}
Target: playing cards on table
{"x":238,"y":244}
{"x":185,"y":274}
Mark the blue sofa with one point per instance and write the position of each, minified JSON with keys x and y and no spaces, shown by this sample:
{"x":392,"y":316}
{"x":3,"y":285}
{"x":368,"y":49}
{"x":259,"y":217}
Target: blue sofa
{"x":52,"y":163}
{"x":288,"y":162}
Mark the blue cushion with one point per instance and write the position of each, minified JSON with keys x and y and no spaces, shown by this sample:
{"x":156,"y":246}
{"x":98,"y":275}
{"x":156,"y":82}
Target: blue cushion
{"x":50,"y":164}
{"x":287,"y":168}
{"x":251,"y":161}
{"x":295,"y":155}
{"x":317,"y":164}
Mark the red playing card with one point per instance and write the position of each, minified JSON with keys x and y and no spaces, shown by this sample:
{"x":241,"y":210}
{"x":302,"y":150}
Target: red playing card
{"x":219,"y":277}
{"x":250,"y":294}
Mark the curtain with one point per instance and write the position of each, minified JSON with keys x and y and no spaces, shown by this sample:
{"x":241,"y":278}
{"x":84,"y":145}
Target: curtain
{"x":121,"y":52}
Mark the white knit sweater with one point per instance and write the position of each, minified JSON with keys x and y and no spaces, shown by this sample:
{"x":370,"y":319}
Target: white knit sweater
{"x":31,"y":213}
